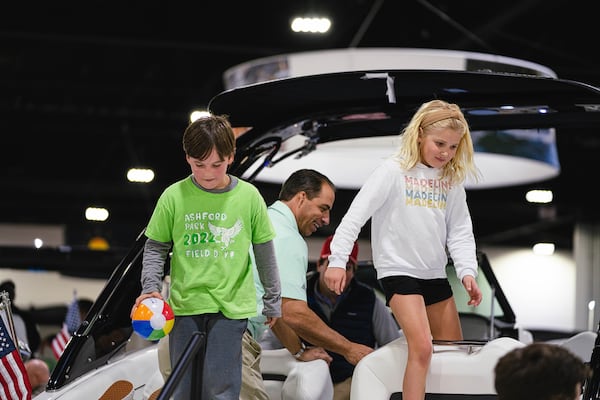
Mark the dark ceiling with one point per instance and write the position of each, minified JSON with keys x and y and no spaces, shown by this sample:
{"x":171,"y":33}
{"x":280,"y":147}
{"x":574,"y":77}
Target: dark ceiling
{"x":90,"y":88}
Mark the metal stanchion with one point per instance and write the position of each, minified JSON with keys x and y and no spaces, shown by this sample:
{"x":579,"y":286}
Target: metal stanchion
{"x":194,"y":351}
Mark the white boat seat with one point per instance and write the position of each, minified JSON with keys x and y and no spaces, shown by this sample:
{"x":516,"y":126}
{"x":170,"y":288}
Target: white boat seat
{"x":581,"y":344}
{"x":455,"y":369}
{"x":286,"y":378}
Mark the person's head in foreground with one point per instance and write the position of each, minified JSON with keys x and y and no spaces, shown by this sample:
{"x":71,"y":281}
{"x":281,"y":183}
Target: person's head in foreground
{"x":540,"y":371}
{"x":38,"y":372}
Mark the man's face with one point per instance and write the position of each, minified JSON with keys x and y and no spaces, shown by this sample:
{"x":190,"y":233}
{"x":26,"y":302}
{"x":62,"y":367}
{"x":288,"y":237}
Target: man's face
{"x":312,"y":214}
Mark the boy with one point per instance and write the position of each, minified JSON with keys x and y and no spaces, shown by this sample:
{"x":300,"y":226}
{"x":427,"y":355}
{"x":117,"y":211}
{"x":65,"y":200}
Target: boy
{"x":210,"y":220}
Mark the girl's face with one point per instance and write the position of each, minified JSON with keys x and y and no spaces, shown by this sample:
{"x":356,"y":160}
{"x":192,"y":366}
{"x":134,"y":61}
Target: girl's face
{"x":438,"y":146}
{"x":210,"y":173}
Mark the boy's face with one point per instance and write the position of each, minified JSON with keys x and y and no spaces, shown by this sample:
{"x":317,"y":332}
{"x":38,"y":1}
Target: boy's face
{"x":210,"y":173}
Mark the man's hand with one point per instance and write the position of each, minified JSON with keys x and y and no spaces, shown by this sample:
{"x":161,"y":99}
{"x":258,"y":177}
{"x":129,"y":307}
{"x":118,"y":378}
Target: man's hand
{"x":270,"y":321}
{"x":315,"y":353}
{"x":335,"y":278}
{"x":357,"y":352}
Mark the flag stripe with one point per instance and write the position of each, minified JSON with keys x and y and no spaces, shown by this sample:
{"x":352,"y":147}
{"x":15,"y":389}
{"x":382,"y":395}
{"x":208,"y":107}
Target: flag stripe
{"x":13,"y":376}
{"x":60,"y":341}
{"x":70,"y":325}
{"x":13,"y":383}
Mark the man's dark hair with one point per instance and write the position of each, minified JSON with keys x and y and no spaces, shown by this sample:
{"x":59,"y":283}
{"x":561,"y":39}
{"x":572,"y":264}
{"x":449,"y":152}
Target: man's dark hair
{"x":304,"y":180}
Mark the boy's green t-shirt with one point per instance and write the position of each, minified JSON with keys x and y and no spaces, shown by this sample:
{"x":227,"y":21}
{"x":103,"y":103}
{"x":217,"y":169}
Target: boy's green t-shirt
{"x":211,"y":270}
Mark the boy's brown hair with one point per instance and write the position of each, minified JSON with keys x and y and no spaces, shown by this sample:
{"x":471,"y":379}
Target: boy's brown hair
{"x":206,"y":134}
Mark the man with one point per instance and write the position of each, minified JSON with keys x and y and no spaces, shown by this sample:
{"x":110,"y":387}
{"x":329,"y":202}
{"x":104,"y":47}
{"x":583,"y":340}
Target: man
{"x":357,"y":314}
{"x":304,"y":204}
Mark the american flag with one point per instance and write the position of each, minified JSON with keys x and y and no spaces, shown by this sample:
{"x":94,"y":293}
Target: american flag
{"x":70,"y":325}
{"x":13,"y":377}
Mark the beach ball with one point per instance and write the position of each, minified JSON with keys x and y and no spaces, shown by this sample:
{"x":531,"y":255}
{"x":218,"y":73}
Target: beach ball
{"x":153,"y":319}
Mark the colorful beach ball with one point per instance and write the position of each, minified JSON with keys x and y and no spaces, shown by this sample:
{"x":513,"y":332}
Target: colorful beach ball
{"x":153,"y":319}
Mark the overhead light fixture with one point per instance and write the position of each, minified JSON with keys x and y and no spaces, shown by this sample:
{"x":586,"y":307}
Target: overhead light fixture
{"x":197,"y":114}
{"x":310,"y":24}
{"x":539,"y":196}
{"x":96,"y":214}
{"x":543,"y":249}
{"x":140,"y":175}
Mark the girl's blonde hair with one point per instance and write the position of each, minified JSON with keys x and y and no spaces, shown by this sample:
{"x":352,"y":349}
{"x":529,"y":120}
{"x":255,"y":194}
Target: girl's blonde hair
{"x":438,"y":114}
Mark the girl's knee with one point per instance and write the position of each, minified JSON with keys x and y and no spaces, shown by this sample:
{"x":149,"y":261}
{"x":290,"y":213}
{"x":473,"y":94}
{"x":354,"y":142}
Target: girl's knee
{"x":421,"y":350}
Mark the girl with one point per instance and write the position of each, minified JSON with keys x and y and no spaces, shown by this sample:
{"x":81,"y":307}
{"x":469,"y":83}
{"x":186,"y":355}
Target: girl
{"x":418,"y":212}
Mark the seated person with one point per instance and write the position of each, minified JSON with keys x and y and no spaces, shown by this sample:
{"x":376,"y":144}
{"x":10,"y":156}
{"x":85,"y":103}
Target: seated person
{"x":540,"y":371}
{"x":27,"y":330}
{"x":38,"y":373}
{"x":357,"y":313}
{"x":303,"y":206}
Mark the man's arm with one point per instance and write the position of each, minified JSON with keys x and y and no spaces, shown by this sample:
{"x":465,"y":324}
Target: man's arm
{"x":291,"y":341}
{"x":306,"y":324}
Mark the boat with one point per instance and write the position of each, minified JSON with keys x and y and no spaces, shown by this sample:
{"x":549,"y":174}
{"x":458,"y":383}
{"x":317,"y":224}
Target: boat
{"x":281,"y":124}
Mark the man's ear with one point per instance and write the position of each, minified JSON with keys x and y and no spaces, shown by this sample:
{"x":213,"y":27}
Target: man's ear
{"x":299,"y":197}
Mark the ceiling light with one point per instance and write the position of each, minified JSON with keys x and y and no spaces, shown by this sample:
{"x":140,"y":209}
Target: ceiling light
{"x":142,"y":175}
{"x":539,"y":196}
{"x":197,"y":114}
{"x":543,"y":249}
{"x":96,"y":214}
{"x":310,"y":25}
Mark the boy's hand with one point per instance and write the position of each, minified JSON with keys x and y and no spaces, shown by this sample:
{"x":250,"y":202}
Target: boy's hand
{"x":141,"y":298}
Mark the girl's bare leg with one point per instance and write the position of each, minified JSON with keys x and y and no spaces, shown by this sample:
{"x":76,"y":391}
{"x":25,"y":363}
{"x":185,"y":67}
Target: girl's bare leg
{"x":444,"y":321}
{"x":411,"y":314}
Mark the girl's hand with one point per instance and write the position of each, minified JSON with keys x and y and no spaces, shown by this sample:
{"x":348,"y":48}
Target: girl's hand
{"x":473,"y":290}
{"x":335,"y":278}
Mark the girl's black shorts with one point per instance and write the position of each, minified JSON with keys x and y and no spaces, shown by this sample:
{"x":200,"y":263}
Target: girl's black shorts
{"x":432,"y":290}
